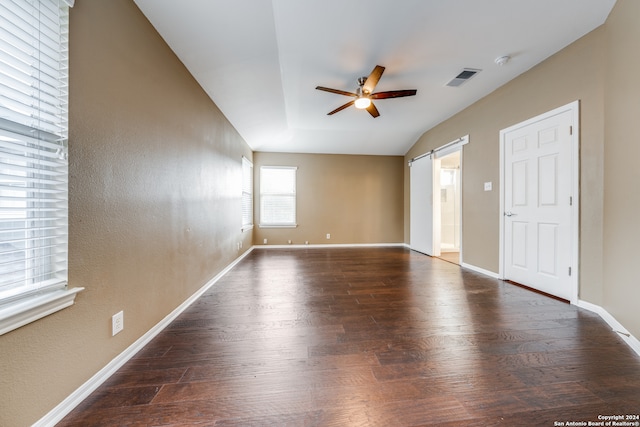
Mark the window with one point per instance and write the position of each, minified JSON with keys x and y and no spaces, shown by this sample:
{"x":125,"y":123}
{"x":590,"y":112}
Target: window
{"x":33,"y":160}
{"x":247,"y":194}
{"x":278,"y":196}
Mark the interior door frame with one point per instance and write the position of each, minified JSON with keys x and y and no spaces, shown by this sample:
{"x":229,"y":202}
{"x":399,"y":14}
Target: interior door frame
{"x":574,"y":108}
{"x":445,"y":150}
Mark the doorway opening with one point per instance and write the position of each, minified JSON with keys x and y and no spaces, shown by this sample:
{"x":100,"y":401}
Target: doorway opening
{"x":436,"y":202}
{"x":450,"y":212}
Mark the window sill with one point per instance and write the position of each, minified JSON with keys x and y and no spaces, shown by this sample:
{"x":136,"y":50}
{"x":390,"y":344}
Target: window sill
{"x":31,"y":309}
{"x":278,"y":226}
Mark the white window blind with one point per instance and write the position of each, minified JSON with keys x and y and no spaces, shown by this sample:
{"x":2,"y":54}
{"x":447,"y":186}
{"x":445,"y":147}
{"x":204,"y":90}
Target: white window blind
{"x":247,"y":194}
{"x":33,"y":148}
{"x":278,"y":196}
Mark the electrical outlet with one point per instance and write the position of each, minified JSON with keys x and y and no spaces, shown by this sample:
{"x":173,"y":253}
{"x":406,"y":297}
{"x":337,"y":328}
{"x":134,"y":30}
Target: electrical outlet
{"x":265,"y":241}
{"x":117,"y":323}
{"x":289,"y":241}
{"x":488,"y":186}
{"x":328,"y":236}
{"x":306,"y":242}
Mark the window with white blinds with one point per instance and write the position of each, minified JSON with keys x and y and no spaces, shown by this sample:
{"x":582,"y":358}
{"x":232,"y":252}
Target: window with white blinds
{"x":33,"y":149}
{"x":247,"y":194}
{"x":278,"y":196}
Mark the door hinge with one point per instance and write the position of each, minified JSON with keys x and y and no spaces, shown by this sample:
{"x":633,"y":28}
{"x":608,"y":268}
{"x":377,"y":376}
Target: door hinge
{"x":570,"y":201}
{"x":569,"y":271}
{"x":570,"y":130}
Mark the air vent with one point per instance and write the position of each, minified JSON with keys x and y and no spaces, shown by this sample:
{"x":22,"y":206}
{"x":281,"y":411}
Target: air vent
{"x":465,"y":75}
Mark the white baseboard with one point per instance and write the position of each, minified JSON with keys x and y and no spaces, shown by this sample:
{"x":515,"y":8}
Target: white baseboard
{"x":75,"y":398}
{"x":615,"y":325}
{"x":481,"y":270}
{"x":336,"y":245}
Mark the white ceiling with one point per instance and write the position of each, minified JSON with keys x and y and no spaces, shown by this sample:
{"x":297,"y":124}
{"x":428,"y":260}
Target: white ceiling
{"x":260,"y":61}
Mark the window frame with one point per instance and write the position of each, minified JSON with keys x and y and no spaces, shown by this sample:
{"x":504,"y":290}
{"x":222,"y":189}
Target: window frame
{"x":247,"y":194}
{"x":35,"y":142}
{"x":276,"y":224}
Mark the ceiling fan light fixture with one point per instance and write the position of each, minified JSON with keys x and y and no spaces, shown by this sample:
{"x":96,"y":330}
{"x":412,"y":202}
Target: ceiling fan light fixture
{"x":363,"y":96}
{"x":362,"y":103}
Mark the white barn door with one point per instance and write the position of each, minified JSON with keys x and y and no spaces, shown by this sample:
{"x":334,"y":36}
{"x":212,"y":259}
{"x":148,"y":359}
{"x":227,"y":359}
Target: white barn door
{"x":424,"y":208}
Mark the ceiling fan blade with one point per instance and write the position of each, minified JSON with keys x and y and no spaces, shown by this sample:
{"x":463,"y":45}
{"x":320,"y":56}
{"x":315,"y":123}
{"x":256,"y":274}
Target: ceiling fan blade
{"x":393,"y":94}
{"x":339,"y":92}
{"x":372,"y":80}
{"x":342,"y":107}
{"x":373,"y":110}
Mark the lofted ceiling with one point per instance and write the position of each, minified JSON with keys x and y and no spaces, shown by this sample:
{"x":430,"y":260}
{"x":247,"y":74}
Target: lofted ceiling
{"x":260,"y":61}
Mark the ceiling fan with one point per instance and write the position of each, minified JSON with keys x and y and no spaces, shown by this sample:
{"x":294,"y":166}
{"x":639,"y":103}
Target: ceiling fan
{"x":364,"y":94}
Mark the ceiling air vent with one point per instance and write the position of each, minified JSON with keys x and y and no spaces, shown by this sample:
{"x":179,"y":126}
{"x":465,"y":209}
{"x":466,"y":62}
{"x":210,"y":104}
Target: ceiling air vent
{"x":465,"y":75}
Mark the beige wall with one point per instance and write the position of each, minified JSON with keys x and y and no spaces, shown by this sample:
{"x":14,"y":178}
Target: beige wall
{"x":594,"y":70}
{"x":155,"y":172}
{"x":622,"y":173}
{"x":357,"y":199}
{"x":155,"y":190}
{"x":575,"y":73}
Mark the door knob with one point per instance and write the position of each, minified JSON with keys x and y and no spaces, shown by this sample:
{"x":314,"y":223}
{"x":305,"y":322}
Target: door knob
{"x":509,"y":214}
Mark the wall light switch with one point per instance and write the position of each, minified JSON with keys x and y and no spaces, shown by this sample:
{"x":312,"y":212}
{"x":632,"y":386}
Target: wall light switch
{"x":488,"y":186}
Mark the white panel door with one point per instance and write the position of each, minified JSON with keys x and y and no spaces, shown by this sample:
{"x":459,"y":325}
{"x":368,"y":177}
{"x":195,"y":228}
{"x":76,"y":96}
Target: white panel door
{"x":422,"y":233}
{"x":538,"y":171}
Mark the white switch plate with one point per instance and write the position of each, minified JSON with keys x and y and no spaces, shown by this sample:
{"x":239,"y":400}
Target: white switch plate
{"x":117,"y":323}
{"x":488,"y":186}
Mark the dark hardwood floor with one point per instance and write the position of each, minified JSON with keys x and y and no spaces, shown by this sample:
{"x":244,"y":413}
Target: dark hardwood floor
{"x":453,"y":257}
{"x":370,"y":337}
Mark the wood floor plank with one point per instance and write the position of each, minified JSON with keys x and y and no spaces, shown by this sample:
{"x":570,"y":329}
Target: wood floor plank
{"x":369,"y":337}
